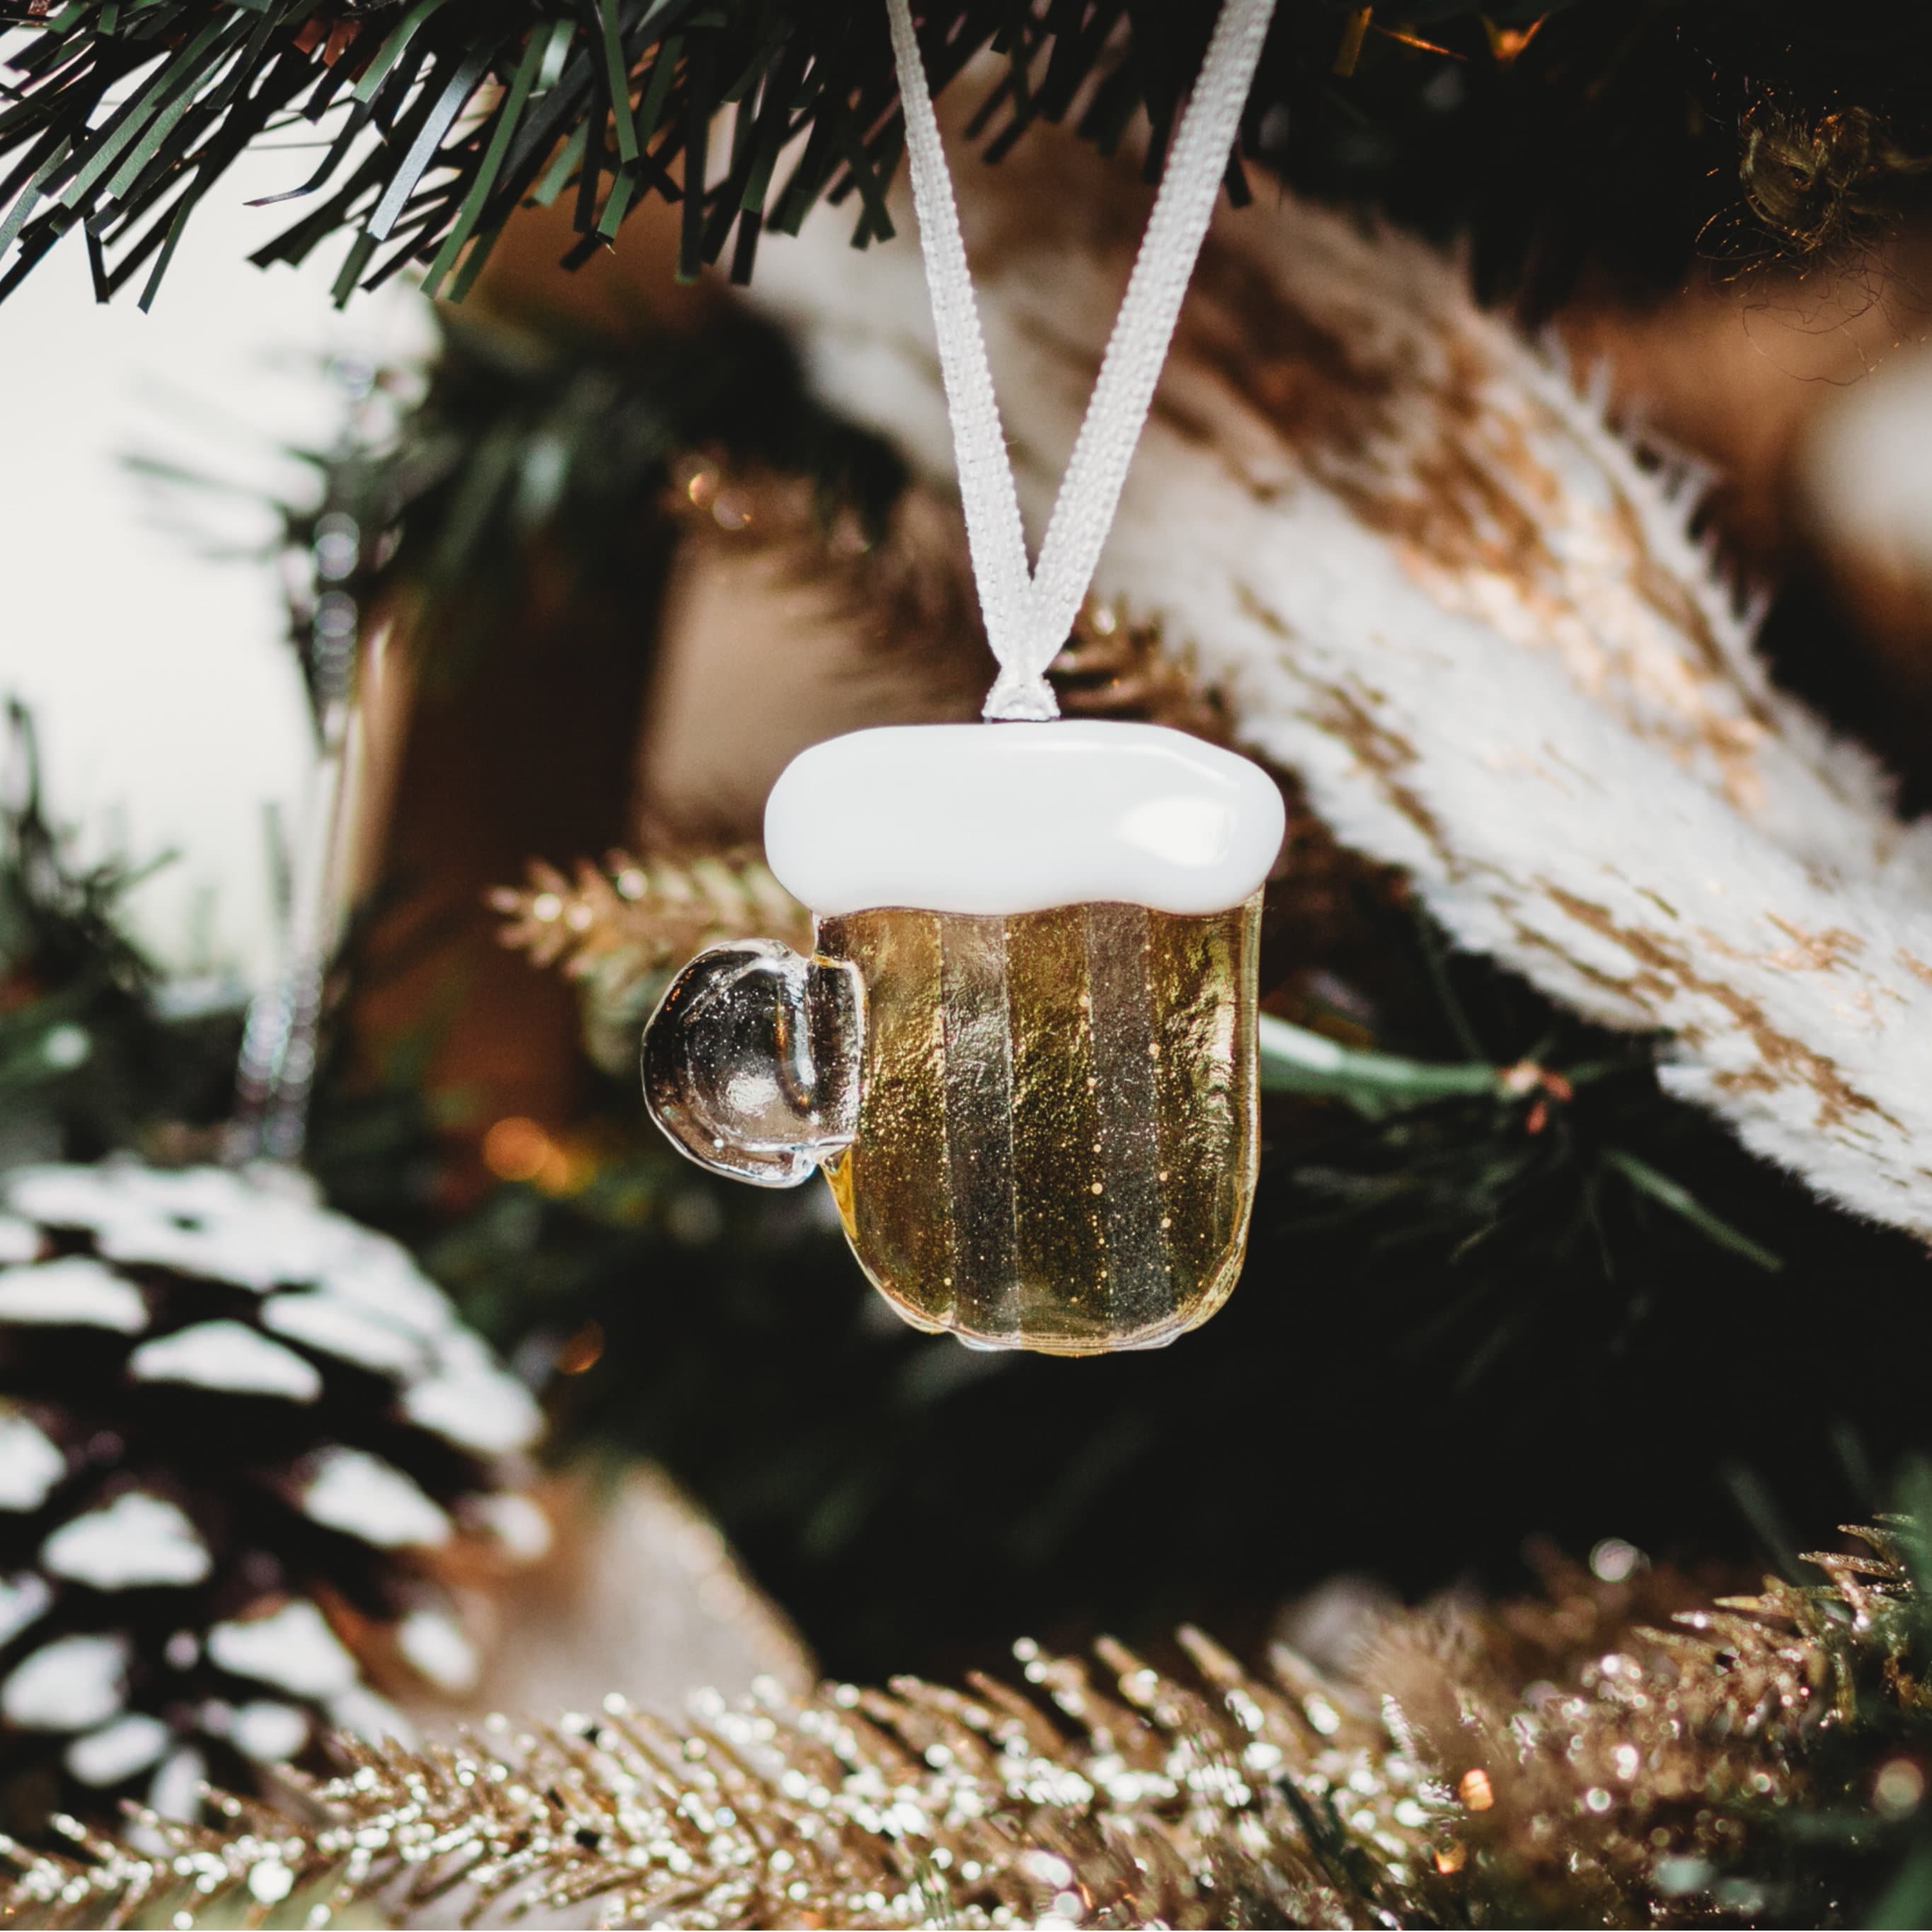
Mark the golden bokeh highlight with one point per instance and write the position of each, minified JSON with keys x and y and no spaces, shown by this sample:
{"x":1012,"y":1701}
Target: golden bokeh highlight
{"x":519,"y":1149}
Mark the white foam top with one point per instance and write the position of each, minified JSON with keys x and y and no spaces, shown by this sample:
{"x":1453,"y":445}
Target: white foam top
{"x":1014,"y":818}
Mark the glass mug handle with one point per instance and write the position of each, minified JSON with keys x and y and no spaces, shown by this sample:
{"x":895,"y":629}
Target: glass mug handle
{"x":751,"y":1062}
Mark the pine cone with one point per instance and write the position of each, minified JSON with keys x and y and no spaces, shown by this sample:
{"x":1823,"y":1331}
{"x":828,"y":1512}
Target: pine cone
{"x":246,"y":1448}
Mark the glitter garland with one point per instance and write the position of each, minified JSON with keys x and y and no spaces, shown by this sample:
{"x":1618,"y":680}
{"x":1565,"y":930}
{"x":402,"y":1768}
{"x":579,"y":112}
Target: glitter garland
{"x":1565,"y":1761}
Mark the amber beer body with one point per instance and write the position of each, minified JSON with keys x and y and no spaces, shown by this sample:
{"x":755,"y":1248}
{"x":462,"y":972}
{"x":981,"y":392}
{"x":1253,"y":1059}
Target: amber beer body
{"x":1057,"y":1132}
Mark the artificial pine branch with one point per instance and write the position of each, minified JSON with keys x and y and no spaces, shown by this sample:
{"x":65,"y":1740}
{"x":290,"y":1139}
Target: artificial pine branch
{"x":92,"y":1051}
{"x":54,"y":915}
{"x":1624,"y":1751}
{"x":647,"y":914}
{"x":443,"y":118}
{"x":439,"y":120}
{"x":619,"y":928}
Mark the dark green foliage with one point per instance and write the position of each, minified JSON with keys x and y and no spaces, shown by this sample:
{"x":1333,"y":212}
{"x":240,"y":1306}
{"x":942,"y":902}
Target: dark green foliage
{"x":1642,"y":139}
{"x":94,"y":1050}
{"x":1632,"y":132}
{"x":533,"y":466}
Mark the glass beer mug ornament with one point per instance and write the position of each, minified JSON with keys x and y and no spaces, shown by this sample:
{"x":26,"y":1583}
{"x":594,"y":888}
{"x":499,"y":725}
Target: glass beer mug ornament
{"x":1023,"y":1051}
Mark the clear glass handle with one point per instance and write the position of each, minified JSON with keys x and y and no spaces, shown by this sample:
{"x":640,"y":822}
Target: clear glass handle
{"x":750,"y":1063}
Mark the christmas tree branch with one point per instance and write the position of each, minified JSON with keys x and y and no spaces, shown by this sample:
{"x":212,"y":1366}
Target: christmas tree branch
{"x":1295,"y":1061}
{"x":648,"y":914}
{"x":620,"y":929}
{"x":92,"y":1046}
{"x":439,"y":118}
{"x":443,"y":117}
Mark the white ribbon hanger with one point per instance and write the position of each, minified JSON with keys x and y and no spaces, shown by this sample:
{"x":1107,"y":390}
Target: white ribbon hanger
{"x":1030,"y":611}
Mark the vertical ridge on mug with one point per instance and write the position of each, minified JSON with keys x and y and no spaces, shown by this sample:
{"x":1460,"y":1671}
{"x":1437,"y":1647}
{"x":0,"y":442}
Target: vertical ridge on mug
{"x":975,"y":1067}
{"x":1057,"y":1123}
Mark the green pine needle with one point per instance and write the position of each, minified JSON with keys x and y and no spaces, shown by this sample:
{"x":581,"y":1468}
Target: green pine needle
{"x":1783,"y":119}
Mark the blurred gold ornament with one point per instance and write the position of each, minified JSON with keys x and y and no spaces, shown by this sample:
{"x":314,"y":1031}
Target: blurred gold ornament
{"x":907,"y":584}
{"x":1111,"y":667}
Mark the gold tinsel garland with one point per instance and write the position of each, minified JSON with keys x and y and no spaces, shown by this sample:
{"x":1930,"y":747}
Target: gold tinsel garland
{"x":1565,"y":1762}
{"x":647,"y":914}
{"x":618,"y":929}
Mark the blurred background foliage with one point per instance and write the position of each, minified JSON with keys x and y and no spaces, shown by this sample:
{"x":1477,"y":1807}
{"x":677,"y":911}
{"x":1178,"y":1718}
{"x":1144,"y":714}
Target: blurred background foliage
{"x":1574,"y":1307}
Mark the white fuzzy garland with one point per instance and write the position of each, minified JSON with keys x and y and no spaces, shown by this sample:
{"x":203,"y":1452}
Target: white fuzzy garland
{"x":1431,"y":582}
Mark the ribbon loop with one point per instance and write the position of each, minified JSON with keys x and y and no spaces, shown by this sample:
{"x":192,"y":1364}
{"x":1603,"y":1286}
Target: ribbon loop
{"x":1029,"y":613}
